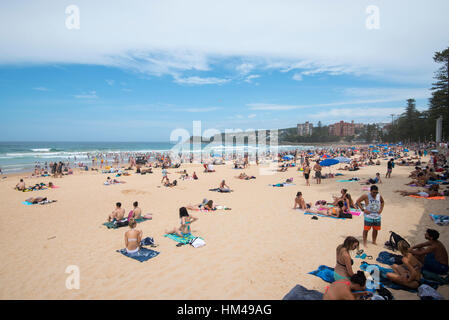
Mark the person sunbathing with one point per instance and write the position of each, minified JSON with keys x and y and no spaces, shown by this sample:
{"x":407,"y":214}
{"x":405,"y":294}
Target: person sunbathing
{"x":133,"y":237}
{"x":194,"y":176}
{"x":409,"y":273}
{"x":373,"y":181}
{"x":36,"y":200}
{"x":117,"y":214}
{"x":167,"y":183}
{"x":186,"y":221}
{"x":300,"y":203}
{"x":420,"y":181}
{"x":224,"y":187}
{"x":342,"y":289}
{"x":136,"y":212}
{"x":21,"y":185}
{"x":432,"y":192}
{"x":328,"y":211}
{"x":341,"y":197}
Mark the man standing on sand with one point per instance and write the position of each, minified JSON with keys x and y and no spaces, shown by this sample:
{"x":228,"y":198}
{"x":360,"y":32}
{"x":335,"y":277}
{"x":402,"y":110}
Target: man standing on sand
{"x":317,"y":169}
{"x":164,"y":174}
{"x":390,"y":166}
{"x":432,"y":253}
{"x":374,"y":205}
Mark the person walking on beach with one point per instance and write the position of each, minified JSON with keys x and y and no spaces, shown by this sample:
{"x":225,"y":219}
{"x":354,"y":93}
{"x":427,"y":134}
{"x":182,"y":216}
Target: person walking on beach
{"x":390,"y":166}
{"x":164,"y":175}
{"x":306,"y":173}
{"x":317,"y":169}
{"x":374,"y":205}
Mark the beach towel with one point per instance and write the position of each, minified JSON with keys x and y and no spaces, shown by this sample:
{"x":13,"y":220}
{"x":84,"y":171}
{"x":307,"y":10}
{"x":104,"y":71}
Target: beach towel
{"x":324,"y":272}
{"x":323,"y":215}
{"x":43,"y":202}
{"x":434,"y":277}
{"x":440,"y":220}
{"x":186,"y":239}
{"x":384,"y":281}
{"x":430,"y":198}
{"x":142,"y":255}
{"x":345,"y":180}
{"x":112,"y":225}
{"x":282,"y":185}
{"x":388,"y":258}
{"x":219,"y":190}
{"x":301,"y":293}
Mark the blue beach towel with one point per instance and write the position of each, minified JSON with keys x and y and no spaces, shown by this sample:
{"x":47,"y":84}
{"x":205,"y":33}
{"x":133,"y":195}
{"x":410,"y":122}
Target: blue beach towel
{"x":27,"y":203}
{"x":384,"y":281}
{"x":440,"y":220}
{"x":324,"y":272}
{"x":345,"y":180}
{"x":301,"y":293}
{"x":142,"y":255}
{"x":179,"y":239}
{"x":282,"y":185}
{"x":388,"y":258}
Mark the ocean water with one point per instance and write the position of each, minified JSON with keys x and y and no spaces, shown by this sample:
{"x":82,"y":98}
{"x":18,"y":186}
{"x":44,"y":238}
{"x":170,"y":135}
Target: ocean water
{"x":23,"y":156}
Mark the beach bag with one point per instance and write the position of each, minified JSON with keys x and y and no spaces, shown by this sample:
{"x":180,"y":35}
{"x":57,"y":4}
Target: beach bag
{"x":392,"y":244}
{"x":346,"y":215}
{"x":426,"y":292}
{"x":197,"y":242}
{"x":121,"y":223}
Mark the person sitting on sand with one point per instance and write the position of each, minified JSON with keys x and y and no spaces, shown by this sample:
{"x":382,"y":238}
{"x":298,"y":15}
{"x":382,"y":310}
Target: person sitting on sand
{"x":328,"y":211}
{"x":432,"y":192}
{"x":341,"y":197}
{"x":167,"y":183}
{"x":373,"y":181}
{"x":300,"y":203}
{"x":133,"y":237}
{"x":136,"y":212}
{"x":409,"y":273}
{"x":194,"y":176}
{"x":224,"y":187}
{"x":342,"y":289}
{"x":414,"y":174}
{"x":348,"y":203}
{"x":186,"y":221}
{"x":420,"y":181}
{"x":432,"y":253}
{"x":21,"y":185}
{"x":118,"y":213}
{"x":343,"y":268}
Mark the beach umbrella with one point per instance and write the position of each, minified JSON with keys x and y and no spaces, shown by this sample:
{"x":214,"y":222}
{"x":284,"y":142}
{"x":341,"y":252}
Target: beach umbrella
{"x":375,"y":151}
{"x":343,"y":160}
{"x":328,"y":162}
{"x":434,"y":150}
{"x":405,"y":150}
{"x":287,"y":157}
{"x":216,"y":155}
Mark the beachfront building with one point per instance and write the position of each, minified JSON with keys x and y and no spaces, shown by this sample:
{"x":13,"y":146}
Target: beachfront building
{"x":342,"y":129}
{"x":305,"y":129}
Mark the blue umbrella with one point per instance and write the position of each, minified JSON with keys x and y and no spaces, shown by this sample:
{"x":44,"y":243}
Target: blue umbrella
{"x":287,"y":157}
{"x":343,"y":160}
{"x":375,"y":151}
{"x":405,"y":150}
{"x":328,"y":162}
{"x":216,"y":155}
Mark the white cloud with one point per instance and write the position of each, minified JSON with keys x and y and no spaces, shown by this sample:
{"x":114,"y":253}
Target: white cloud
{"x":252,"y":115}
{"x":245,"y":68}
{"x":251,"y":77}
{"x":297,"y":77}
{"x":370,"y":114}
{"x":200,"y":109}
{"x":110,"y":82}
{"x":200,"y":81}
{"x":89,"y":95}
{"x":316,"y":37}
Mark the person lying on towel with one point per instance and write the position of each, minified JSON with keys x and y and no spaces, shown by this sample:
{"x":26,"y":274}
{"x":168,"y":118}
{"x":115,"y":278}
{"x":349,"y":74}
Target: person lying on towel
{"x":328,"y":211}
{"x":432,"y":192}
{"x":342,"y":289}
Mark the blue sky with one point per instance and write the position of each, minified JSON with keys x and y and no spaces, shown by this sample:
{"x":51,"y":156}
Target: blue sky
{"x":256,"y":65}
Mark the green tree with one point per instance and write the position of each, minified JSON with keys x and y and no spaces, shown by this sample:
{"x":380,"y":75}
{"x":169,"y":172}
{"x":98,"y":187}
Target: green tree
{"x":439,"y":102}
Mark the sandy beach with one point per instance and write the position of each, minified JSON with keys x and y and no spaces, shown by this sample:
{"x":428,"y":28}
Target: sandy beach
{"x":260,"y":249}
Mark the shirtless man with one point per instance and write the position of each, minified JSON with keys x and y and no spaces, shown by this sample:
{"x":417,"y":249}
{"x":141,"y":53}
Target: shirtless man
{"x":317,"y":169}
{"x":307,"y":173}
{"x":341,"y":289}
{"x":118,"y":213}
{"x":21,"y":185}
{"x":432,"y":253}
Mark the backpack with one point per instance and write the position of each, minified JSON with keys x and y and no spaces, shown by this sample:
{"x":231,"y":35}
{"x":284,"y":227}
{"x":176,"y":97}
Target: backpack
{"x":392,"y":244}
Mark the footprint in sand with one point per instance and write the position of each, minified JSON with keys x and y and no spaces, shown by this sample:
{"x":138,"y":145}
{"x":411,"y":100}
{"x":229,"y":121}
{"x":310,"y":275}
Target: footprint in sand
{"x":135,"y":192}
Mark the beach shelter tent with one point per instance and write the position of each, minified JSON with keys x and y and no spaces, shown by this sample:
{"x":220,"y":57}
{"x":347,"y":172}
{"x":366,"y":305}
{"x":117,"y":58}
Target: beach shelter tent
{"x":328,"y":162}
{"x":287,"y":157}
{"x":343,"y":160}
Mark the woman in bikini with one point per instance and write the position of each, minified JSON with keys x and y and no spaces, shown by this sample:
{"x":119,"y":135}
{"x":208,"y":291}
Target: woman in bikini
{"x":328,"y":211}
{"x":342,"y":289}
{"x":343,"y":268}
{"x":186,"y":221}
{"x":132,"y":237}
{"x":409,"y":273}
